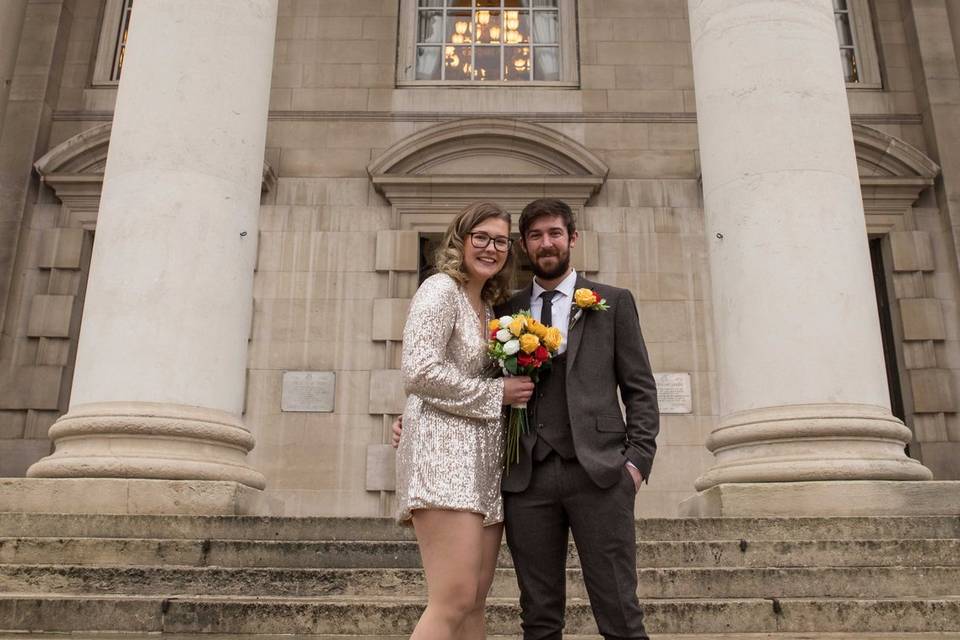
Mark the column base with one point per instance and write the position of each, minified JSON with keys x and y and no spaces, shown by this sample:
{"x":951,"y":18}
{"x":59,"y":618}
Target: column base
{"x":157,"y":441}
{"x":825,"y":499}
{"x":133,"y":497}
{"x":810,"y":443}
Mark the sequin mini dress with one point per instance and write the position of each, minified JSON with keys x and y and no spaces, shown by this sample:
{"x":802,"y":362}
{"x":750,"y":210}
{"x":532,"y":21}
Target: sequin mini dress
{"x":451,"y":451}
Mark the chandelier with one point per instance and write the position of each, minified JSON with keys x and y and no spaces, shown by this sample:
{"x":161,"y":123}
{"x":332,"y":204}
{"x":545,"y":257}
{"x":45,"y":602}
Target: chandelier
{"x":488,"y":40}
{"x":487,"y":28}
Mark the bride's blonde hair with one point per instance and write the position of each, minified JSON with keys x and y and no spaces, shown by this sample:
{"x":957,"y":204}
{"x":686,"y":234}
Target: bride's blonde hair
{"x":449,"y":257}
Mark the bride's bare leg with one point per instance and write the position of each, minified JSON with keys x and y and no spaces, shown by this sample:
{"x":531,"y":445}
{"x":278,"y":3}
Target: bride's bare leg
{"x":451,"y":546}
{"x":475,"y":628}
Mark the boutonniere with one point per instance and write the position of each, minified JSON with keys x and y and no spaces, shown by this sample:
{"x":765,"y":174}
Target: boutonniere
{"x":586,"y":299}
{"x":589,"y":299}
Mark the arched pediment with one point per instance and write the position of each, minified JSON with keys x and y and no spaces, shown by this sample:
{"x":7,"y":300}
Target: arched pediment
{"x":74,"y":168}
{"x":893,"y":173}
{"x":447,"y":165}
{"x":84,"y":153}
{"x":881,"y":154}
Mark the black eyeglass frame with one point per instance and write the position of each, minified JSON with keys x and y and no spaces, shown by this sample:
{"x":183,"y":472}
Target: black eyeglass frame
{"x":474,"y":241}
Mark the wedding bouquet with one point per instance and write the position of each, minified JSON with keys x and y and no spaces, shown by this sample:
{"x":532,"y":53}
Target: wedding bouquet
{"x":521,"y":346}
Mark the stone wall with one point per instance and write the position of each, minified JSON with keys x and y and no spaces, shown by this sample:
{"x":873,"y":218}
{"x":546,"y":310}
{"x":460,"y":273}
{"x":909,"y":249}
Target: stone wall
{"x":335,"y":109}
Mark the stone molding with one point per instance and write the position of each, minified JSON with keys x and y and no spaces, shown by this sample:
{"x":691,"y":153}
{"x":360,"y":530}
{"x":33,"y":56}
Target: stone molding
{"x":672,"y":117}
{"x":889,"y":155}
{"x":446,"y":166}
{"x":773,"y":444}
{"x":893,"y":173}
{"x":74,"y":169}
{"x":131,"y":496}
{"x":849,"y":498}
{"x":149,"y":440}
{"x":398,"y":250}
{"x":389,"y":316}
{"x":812,"y":420}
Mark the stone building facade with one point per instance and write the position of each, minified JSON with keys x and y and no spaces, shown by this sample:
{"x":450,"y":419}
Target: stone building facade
{"x":162,"y":323}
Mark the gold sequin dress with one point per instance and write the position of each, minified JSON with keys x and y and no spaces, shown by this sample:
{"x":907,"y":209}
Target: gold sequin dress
{"x":451,"y":451}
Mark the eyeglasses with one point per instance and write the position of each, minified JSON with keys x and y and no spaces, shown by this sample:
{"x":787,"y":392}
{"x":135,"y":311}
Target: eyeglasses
{"x":481,"y":240}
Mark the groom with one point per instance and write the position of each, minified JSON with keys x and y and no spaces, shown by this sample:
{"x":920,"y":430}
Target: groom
{"x":582,"y":463}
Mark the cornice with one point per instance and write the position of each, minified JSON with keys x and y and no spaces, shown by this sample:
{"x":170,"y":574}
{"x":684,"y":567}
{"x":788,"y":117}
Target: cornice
{"x":626,"y":117}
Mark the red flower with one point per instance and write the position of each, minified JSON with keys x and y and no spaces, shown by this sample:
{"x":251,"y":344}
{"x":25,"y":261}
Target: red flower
{"x":596,"y":296}
{"x":524,"y":359}
{"x":541,"y":354}
{"x":493,"y":334}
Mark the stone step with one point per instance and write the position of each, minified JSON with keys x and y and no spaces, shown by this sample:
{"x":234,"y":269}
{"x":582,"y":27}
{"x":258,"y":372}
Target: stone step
{"x":660,"y":636}
{"x":848,"y":582}
{"x":271,"y":528}
{"x":377,"y":554}
{"x":351,"y":616}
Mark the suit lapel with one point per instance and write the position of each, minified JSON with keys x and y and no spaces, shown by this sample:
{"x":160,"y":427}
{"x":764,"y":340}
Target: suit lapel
{"x":521,"y":302}
{"x":575,"y":333}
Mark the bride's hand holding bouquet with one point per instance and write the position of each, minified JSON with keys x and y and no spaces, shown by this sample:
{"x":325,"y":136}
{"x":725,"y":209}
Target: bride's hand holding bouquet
{"x":521,"y":346}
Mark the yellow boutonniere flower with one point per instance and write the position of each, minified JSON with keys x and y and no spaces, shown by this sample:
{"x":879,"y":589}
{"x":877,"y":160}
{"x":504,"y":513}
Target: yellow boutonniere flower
{"x":588,"y":299}
{"x":584,"y":298}
{"x":529,"y":343}
{"x":516,"y":327}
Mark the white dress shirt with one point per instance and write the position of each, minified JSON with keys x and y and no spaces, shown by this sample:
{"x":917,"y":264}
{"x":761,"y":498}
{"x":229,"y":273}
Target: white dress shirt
{"x":560,"y":305}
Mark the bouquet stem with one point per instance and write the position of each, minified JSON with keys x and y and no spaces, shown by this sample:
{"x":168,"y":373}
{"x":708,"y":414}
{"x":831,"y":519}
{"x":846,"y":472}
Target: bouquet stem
{"x":517,"y":426}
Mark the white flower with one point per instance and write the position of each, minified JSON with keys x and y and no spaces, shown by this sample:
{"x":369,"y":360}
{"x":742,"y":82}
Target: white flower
{"x":505,"y":320}
{"x":511,"y":347}
{"x":504,"y":335}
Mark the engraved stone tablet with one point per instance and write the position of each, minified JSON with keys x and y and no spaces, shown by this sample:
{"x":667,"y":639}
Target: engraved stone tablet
{"x":673,"y":392}
{"x":308,"y":391}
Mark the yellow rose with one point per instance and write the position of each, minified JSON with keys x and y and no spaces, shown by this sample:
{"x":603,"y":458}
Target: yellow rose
{"x":516,"y":327}
{"x":584,"y":298}
{"x":553,"y":339}
{"x":537,"y":328}
{"x":529,"y":343}
{"x":494,"y":324}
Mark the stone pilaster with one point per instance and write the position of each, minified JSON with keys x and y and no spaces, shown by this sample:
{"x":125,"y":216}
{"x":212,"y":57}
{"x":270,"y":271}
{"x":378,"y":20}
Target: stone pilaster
{"x":160,"y":374}
{"x":803,"y":395}
{"x":12,"y":13}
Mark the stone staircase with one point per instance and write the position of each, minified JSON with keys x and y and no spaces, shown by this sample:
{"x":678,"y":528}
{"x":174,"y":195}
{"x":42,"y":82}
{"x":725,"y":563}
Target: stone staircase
{"x":192,"y":577}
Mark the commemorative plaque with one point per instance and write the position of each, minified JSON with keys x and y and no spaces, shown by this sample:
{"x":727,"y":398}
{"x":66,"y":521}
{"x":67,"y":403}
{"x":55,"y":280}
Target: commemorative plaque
{"x":308,"y":391}
{"x":674,"y":393}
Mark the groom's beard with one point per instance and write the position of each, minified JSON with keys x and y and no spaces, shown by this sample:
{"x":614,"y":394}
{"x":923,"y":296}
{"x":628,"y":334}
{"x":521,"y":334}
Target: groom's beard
{"x":563,"y":263}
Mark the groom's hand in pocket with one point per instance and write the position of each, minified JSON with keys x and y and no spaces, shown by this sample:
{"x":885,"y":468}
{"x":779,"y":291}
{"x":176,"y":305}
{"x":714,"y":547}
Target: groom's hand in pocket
{"x":635,"y":474}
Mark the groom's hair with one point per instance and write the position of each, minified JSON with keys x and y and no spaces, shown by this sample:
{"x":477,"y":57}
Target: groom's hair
{"x":546,"y":207}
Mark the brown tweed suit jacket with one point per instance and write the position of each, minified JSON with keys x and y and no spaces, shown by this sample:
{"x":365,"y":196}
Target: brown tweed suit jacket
{"x":605,"y":353}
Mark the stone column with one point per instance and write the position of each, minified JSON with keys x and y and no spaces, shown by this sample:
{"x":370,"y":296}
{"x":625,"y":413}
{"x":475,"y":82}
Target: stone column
{"x":161,"y":365}
{"x":12,"y":13}
{"x":803,"y":394}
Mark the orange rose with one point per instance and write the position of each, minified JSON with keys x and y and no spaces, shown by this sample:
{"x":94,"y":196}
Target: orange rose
{"x":529,"y":343}
{"x":553,"y":339}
